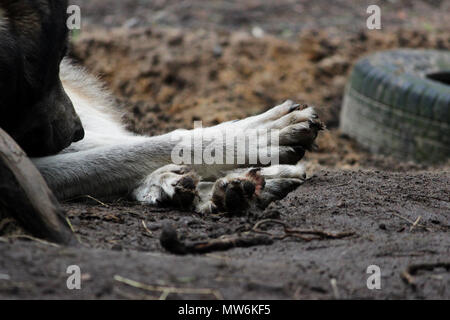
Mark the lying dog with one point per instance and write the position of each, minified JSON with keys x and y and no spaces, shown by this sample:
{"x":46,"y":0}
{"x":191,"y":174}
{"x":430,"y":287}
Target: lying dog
{"x":45,"y":99}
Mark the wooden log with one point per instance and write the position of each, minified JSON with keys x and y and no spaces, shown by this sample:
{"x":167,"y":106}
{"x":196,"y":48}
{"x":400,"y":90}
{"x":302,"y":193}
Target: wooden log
{"x":25,"y":196}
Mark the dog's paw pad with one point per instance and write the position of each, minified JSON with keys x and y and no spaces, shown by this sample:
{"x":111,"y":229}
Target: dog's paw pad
{"x":169,"y":186}
{"x":234,"y":193}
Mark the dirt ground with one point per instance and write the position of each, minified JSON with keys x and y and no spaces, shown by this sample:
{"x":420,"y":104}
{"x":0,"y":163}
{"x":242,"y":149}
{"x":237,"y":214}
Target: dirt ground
{"x":172,"y":62}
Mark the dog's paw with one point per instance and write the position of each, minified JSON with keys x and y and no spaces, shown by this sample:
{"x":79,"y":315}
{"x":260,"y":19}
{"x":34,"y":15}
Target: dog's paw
{"x":235,"y":192}
{"x":298,"y":130}
{"x":280,"y":180}
{"x":245,"y":189}
{"x":297,"y":127}
{"x":171,"y":185}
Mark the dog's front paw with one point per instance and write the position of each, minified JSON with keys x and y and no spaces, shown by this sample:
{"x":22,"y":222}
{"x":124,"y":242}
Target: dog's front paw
{"x":235,"y":193}
{"x":245,"y":189}
{"x":298,"y":130}
{"x":171,"y":185}
{"x":280,"y":180}
{"x":297,"y":127}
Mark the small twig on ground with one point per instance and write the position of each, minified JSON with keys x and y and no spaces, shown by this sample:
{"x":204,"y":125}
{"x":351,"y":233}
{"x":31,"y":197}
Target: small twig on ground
{"x":408,"y":274}
{"x":410,"y":221}
{"x":215,"y":256}
{"x":415,"y":223}
{"x":299,"y":233}
{"x":147,"y":229}
{"x":89,"y":197}
{"x":334,"y":286}
{"x":170,"y":241}
{"x":73,"y":230}
{"x":166,"y":291}
{"x":24,"y":236}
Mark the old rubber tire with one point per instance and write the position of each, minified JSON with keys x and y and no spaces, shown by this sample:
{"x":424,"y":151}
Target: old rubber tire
{"x":398,"y":103}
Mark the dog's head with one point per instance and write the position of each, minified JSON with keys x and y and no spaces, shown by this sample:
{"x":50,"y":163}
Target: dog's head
{"x":34,"y":109}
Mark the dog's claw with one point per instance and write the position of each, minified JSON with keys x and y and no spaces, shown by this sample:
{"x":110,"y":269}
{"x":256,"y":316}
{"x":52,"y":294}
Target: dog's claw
{"x":294,"y":107}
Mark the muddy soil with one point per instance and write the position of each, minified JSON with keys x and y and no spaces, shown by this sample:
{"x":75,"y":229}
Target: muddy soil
{"x":172,"y":62}
{"x":380,"y":208}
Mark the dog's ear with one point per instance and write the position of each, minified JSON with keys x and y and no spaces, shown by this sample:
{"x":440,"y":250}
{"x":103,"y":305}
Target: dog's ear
{"x":34,"y":108}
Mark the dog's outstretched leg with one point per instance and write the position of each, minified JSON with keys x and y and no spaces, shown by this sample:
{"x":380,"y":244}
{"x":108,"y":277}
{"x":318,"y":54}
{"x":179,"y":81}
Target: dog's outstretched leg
{"x":113,"y":170}
{"x":106,"y":164}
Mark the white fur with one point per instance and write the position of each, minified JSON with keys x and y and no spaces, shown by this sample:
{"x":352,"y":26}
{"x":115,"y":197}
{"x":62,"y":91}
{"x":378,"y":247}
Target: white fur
{"x":111,"y":161}
{"x":159,"y":183}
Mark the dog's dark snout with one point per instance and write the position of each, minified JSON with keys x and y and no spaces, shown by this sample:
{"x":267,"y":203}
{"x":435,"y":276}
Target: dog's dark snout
{"x":78,"y":134}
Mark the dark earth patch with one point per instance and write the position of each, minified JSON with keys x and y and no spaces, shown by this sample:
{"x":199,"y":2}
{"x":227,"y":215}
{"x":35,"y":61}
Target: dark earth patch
{"x":374,"y":205}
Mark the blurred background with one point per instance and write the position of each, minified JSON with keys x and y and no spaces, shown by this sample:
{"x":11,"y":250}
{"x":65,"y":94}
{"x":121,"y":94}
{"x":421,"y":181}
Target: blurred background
{"x":171,"y":62}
